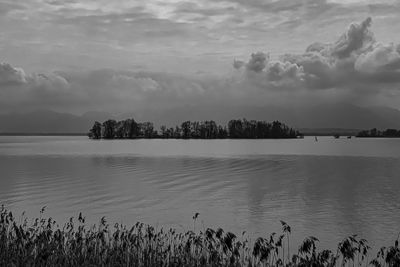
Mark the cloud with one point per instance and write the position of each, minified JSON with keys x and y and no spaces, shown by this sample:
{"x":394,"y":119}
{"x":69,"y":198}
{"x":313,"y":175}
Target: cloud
{"x":278,"y":71}
{"x":356,"y":68}
{"x":237,"y":64}
{"x":10,"y":75}
{"x":257,"y":62}
{"x":104,"y":89}
{"x":60,"y":2}
{"x":357,"y":39}
{"x":382,"y":58}
{"x":116,"y":34}
{"x":6,"y":7}
{"x":356,"y":59}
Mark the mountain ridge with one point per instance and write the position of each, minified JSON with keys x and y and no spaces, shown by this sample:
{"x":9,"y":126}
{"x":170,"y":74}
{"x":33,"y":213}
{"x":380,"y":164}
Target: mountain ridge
{"x":316,"y":117}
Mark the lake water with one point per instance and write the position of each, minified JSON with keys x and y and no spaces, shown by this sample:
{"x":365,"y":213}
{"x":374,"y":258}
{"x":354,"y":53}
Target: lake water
{"x":329,"y":189}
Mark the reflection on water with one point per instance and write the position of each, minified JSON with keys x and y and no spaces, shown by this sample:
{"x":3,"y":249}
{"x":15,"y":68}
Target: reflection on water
{"x":317,"y":193}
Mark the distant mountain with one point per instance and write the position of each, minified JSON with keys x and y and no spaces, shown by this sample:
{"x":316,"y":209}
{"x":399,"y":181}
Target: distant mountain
{"x":97,"y":116}
{"x":329,"y":131}
{"x":322,"y":116}
{"x":315,"y":117}
{"x":45,"y":121}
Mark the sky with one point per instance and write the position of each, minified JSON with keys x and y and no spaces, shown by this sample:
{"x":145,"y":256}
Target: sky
{"x":118,"y":56}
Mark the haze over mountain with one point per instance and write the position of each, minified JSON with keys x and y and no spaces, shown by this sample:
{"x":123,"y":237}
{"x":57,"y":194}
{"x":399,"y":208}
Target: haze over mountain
{"x":339,"y":116}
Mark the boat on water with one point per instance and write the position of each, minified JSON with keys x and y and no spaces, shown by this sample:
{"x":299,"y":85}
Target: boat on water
{"x":316,"y":139}
{"x":349,"y":137}
{"x":336,"y":136}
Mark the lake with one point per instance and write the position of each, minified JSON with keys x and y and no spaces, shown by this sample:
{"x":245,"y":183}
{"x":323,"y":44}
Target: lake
{"x":328,"y":189}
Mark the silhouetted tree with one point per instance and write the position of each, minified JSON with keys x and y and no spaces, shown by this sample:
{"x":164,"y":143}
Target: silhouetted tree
{"x":95,"y":132}
{"x":276,"y":130}
{"x":119,"y":130}
{"x":222,"y":132}
{"x":391,"y":133}
{"x":235,"y":129}
{"x":186,"y":130}
{"x":178,"y":132}
{"x":163,"y":130}
{"x":109,"y":129}
{"x":205,"y":130}
{"x":376,"y":133}
{"x":147,"y":129}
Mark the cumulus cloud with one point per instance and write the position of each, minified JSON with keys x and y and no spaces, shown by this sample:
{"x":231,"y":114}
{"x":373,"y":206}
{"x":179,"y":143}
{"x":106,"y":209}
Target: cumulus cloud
{"x":48,"y":82}
{"x":355,"y":60}
{"x":381,"y":58}
{"x":257,"y":62}
{"x":237,"y":64}
{"x":10,"y":75}
{"x":278,"y":71}
{"x":358,"y":38}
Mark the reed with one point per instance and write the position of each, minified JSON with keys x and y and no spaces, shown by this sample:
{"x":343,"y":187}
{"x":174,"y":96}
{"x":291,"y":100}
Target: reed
{"x":42,"y":242}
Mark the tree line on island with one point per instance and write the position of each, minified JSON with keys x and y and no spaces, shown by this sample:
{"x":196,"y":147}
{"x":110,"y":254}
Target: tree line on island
{"x":236,"y":129}
{"x":377,"y":133}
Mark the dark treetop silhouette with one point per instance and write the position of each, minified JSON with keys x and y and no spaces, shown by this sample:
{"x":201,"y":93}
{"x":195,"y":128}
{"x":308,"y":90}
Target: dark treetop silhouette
{"x":244,"y":129}
{"x":376,"y":133}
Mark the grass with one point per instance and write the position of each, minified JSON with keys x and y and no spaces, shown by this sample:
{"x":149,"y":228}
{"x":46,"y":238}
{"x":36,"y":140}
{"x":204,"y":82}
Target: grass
{"x":42,"y":242}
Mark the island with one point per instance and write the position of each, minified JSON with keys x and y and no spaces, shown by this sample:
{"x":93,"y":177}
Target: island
{"x":377,"y":133}
{"x":236,"y":129}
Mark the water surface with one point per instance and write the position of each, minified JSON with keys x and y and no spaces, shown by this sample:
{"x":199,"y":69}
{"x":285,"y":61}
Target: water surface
{"x":329,"y":189}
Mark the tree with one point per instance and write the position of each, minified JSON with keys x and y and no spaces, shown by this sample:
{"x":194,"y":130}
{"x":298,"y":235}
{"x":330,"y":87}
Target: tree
{"x":235,"y":129}
{"x":211,"y":129}
{"x":374,"y":132}
{"x":205,"y":130}
{"x":276,"y":130}
{"x":95,"y":132}
{"x":132,"y":128}
{"x":195,"y":129}
{"x":222,"y":132}
{"x":391,"y":133}
{"x":178,"y":132}
{"x":119,"y":130}
{"x":147,"y":129}
{"x":109,"y":129}
{"x":186,"y":133}
{"x":163,"y":130}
